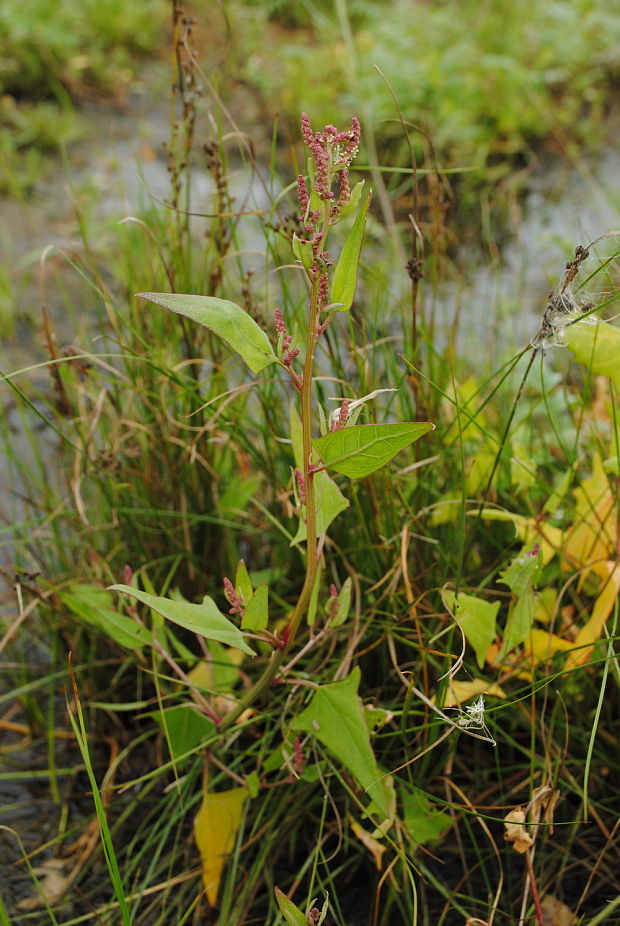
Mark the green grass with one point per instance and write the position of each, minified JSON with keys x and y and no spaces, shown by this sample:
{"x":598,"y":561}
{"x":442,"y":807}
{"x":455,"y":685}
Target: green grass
{"x":58,"y":54}
{"x":173,"y":464}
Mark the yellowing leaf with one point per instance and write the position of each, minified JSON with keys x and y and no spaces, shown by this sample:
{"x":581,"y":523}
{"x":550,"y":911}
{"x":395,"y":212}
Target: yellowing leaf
{"x":529,"y":531}
{"x":478,"y":468}
{"x":463,"y":691}
{"x":596,"y":344}
{"x":591,"y":631}
{"x":215,"y":829}
{"x":593,"y":535}
{"x":542,"y":645}
{"x":375,"y":848}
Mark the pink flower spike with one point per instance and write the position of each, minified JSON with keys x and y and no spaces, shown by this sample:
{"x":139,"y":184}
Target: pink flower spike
{"x":237,"y":602}
{"x":332,"y":607}
{"x":302,"y":193}
{"x":287,"y":361}
{"x":301,"y":486}
{"x":280,"y":326}
{"x":343,"y":416}
{"x":306,"y":131}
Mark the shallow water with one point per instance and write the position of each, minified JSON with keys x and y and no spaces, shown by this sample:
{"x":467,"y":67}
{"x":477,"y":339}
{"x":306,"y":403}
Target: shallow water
{"x":120,"y":166}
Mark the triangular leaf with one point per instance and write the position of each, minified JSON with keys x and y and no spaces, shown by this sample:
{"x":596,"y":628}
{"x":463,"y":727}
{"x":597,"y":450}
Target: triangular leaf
{"x":476,"y":618}
{"x":335,"y":716}
{"x":204,"y":619}
{"x":360,"y":450}
{"x":184,"y":727}
{"x":423,"y":823}
{"x":256,"y":614}
{"x":520,"y":577}
{"x":225,"y":319}
{"x":344,"y":279}
{"x":215,"y":829}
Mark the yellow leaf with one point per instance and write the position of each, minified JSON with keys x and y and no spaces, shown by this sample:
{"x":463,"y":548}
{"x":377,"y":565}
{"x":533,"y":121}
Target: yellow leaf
{"x":593,"y":535}
{"x":542,"y":645}
{"x":374,"y":846}
{"x":463,"y":691}
{"x":215,"y":828}
{"x":591,"y":631}
{"x":529,"y":531}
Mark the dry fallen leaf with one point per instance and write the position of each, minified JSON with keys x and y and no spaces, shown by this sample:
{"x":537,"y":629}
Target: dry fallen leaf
{"x":215,"y":828}
{"x":557,"y":913}
{"x":53,"y":884}
{"x":516,"y":832}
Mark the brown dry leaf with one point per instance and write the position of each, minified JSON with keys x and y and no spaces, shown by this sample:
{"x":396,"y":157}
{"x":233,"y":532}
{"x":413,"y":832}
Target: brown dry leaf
{"x":53,"y":884}
{"x":374,"y":846}
{"x":215,"y":829}
{"x":516,"y":832}
{"x":557,"y":913}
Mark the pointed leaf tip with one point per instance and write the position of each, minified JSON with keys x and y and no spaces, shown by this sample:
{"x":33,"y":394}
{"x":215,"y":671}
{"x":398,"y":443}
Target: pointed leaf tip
{"x":361,"y":449}
{"x":225,"y":319}
{"x":204,"y":619}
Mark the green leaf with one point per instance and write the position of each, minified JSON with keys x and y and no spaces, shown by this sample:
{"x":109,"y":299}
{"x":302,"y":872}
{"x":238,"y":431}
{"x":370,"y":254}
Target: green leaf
{"x":204,"y":619}
{"x":243,"y":583}
{"x":256,"y":615}
{"x":291,"y":913}
{"x":423,"y":823}
{"x":364,"y":448}
{"x":597,"y":345}
{"x":344,"y":603}
{"x":238,"y":492}
{"x":253,"y":784}
{"x":302,"y":250}
{"x":335,"y":716}
{"x":329,"y":500}
{"x":93,"y":605}
{"x":344,"y":280}
{"x":184,"y":728}
{"x":356,"y":194}
{"x":225,"y":319}
{"x":477,"y":620}
{"x":520,"y":577}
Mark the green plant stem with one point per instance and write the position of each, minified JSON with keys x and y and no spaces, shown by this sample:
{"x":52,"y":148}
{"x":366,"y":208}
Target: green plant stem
{"x":278,"y":656}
